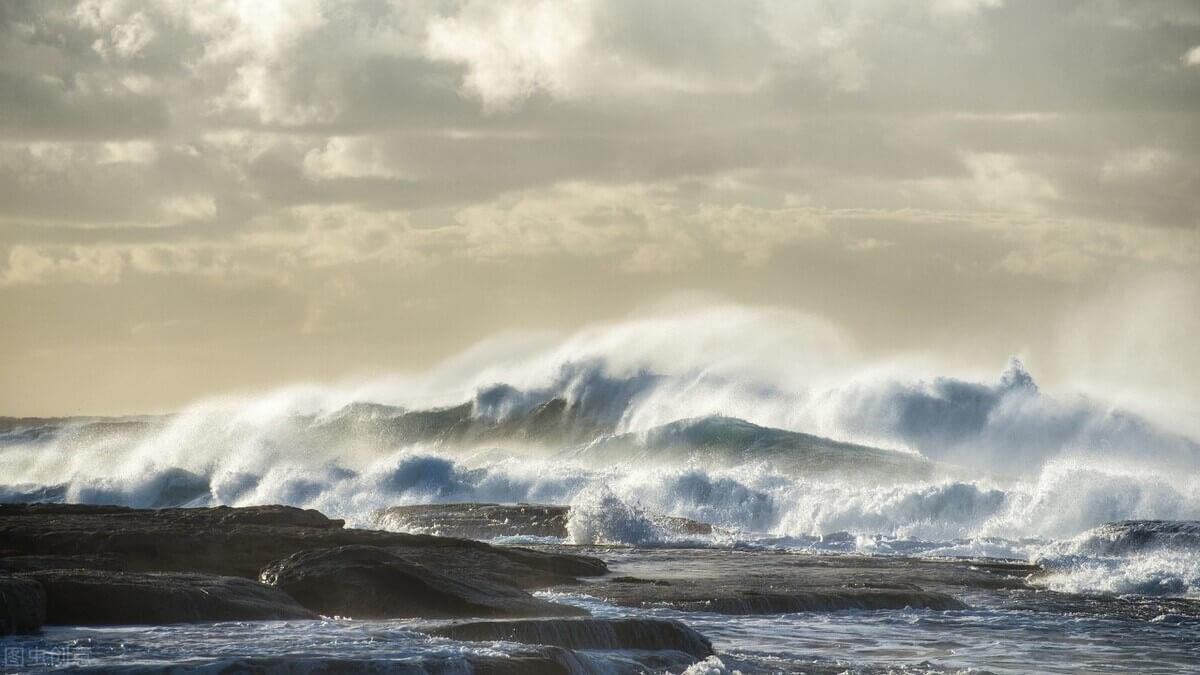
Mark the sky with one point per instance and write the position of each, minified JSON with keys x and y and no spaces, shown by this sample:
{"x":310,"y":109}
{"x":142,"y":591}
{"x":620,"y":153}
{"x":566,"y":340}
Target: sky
{"x":233,"y":195}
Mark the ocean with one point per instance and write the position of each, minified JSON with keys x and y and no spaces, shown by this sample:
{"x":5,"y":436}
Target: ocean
{"x":1104,"y":500}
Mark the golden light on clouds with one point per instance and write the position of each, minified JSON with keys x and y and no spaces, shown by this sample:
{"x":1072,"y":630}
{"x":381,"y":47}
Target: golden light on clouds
{"x":206,"y":197}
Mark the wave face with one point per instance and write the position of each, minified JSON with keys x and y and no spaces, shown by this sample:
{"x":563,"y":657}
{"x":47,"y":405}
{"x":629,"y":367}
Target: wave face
{"x":808,"y":449}
{"x":1138,"y":557}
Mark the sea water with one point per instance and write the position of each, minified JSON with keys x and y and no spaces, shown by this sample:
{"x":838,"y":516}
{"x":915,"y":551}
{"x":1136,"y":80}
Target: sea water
{"x":872,"y":461}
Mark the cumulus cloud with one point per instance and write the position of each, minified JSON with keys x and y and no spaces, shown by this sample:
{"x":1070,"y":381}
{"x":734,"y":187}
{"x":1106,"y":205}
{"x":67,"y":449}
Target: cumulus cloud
{"x":654,"y":226}
{"x":511,"y":50}
{"x":440,"y":145}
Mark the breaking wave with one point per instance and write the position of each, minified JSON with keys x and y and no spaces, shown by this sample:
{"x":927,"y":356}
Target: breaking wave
{"x":632,"y":423}
{"x":1139,"y":557}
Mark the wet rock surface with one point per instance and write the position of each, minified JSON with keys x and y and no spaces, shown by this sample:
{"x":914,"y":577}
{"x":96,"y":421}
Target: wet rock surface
{"x":15,"y":564}
{"x":87,"y":556}
{"x":727,"y":581}
{"x":644,"y":634}
{"x":477,"y":521}
{"x":100,"y":597}
{"x":83,"y":565}
{"x":22,"y":605}
{"x":489,"y":521}
{"x":535,"y":661}
{"x":368,"y":582}
{"x":241,"y":541}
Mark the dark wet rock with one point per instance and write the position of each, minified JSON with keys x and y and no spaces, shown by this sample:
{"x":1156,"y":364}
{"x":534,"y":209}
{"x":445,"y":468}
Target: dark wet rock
{"x":634,"y":633}
{"x":737,"y":597}
{"x":477,"y":521}
{"x":488,"y":521}
{"x":22,"y":606}
{"x":97,"y":597}
{"x":683,"y":526}
{"x":638,"y":580}
{"x":816,"y":600}
{"x":534,"y":661}
{"x":33,"y":563}
{"x":558,"y":565}
{"x":772,"y":582}
{"x":374,"y":583}
{"x":241,"y":541}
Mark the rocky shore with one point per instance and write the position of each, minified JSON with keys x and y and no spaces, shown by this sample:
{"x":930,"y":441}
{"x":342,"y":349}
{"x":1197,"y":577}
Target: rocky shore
{"x":76,"y":565}
{"x":90,"y":565}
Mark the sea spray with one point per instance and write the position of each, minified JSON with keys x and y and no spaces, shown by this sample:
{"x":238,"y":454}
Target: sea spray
{"x":800,"y":448}
{"x":599,"y":517}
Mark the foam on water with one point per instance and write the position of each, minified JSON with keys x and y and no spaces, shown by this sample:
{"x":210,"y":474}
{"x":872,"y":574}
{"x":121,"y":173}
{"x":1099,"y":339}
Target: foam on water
{"x":1153,"y":558}
{"x":787,"y":439}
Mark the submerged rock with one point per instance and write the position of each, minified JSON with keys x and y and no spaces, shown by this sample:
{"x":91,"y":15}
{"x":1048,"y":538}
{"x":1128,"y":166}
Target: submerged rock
{"x":98,"y":597}
{"x":368,"y":582}
{"x":22,"y":606}
{"x":634,"y":633}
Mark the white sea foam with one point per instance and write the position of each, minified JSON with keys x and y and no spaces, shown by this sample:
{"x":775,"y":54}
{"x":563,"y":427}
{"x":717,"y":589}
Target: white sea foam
{"x":710,"y":666}
{"x":634,"y":435}
{"x":599,"y":517}
{"x":1162,"y":573}
{"x":1155,"y":557}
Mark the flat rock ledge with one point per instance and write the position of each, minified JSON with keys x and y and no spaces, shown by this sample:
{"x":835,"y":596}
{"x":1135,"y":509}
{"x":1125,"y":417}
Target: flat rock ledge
{"x":815,"y":600}
{"x":488,"y":521}
{"x":100,"y":597}
{"x":533,"y":661}
{"x":739,"y":582}
{"x":22,"y":605}
{"x":241,"y":541}
{"x":369,"y":582}
{"x":112,"y":565}
{"x":637,"y":633}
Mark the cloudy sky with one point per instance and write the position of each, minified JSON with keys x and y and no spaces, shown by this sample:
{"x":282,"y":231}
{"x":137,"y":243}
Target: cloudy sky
{"x":227,"y":195}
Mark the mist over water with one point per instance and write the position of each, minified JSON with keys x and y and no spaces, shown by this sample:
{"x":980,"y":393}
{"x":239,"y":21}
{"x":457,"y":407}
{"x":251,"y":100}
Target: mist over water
{"x":765,"y":424}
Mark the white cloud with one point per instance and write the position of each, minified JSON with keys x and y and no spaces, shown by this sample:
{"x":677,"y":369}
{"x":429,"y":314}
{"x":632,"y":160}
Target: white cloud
{"x":28,"y":265}
{"x":1000,"y":182}
{"x":653,"y":224}
{"x":585,"y":48}
{"x":131,"y":152}
{"x":1132,"y":163}
{"x":965,"y":6}
{"x":190,"y":207}
{"x":672,"y":135}
{"x":1076,"y":251}
{"x":1192,"y":57}
{"x":350,"y":157}
{"x":996,"y":182}
{"x":514,"y":49}
{"x":869,"y":244}
{"x":127,"y":39}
